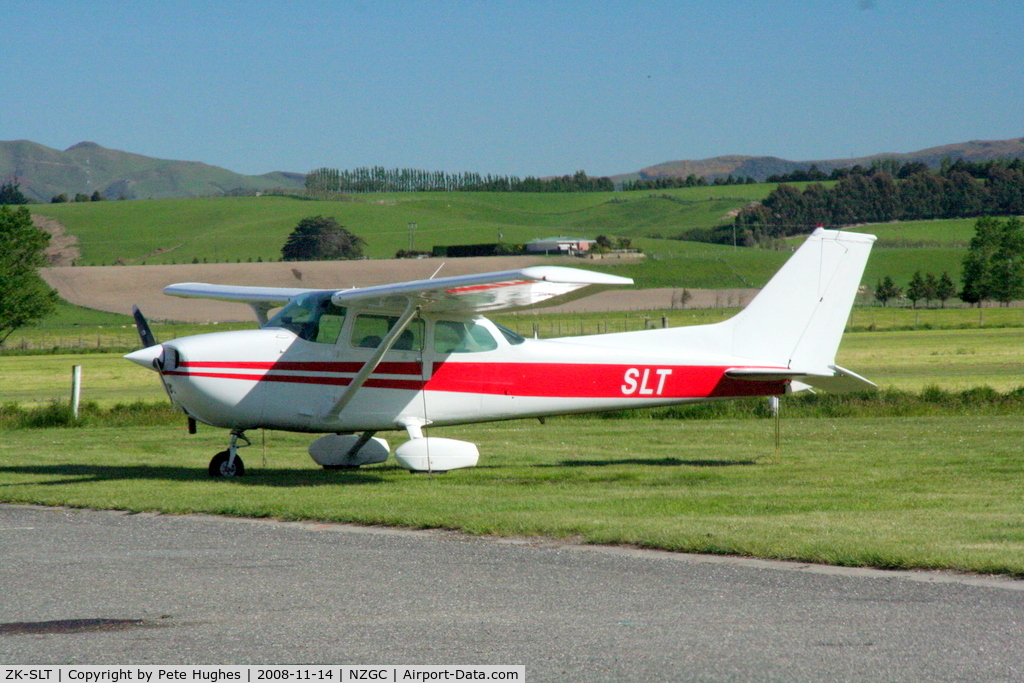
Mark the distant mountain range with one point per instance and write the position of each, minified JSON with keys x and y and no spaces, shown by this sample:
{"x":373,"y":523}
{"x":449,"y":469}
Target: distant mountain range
{"x":760,"y":168}
{"x":86,"y":168}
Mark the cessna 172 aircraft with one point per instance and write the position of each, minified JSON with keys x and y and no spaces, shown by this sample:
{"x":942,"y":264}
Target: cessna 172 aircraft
{"x":353,"y":362}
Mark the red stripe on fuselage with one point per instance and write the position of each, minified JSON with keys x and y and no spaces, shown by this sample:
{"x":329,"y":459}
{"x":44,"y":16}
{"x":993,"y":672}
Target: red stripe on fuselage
{"x":317,"y":366}
{"x":554,"y":380}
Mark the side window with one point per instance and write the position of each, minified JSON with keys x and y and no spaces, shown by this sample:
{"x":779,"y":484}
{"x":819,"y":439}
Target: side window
{"x":462,"y":337}
{"x":331,"y":322}
{"x":369,"y":331}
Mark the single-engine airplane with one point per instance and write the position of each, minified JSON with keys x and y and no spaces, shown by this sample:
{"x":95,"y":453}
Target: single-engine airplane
{"x":352,"y":362}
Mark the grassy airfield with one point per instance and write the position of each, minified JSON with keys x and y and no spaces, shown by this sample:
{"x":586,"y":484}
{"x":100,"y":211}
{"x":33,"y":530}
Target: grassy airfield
{"x":887,"y":482}
{"x":909,"y":492}
{"x":927,"y":474}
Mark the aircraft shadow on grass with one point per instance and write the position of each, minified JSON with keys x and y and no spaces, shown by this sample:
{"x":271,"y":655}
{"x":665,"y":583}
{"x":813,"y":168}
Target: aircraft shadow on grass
{"x":77,"y":474}
{"x":656,"y":462}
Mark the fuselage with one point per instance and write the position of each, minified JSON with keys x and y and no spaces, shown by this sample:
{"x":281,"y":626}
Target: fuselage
{"x":445,"y":371}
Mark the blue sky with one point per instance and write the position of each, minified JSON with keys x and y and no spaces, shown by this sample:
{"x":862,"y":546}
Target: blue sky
{"x":523,"y":88}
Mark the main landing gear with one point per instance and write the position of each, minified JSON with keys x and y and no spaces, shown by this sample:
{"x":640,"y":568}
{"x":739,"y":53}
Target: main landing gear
{"x":227,"y":464}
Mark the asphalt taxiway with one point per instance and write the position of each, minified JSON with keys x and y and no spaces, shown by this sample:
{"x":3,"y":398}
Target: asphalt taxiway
{"x":91,"y":587}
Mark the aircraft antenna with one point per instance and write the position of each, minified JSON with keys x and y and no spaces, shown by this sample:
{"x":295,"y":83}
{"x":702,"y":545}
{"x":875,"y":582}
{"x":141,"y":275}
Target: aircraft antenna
{"x":438,"y":270}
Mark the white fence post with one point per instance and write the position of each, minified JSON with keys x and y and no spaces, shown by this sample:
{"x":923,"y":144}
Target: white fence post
{"x":76,"y":389}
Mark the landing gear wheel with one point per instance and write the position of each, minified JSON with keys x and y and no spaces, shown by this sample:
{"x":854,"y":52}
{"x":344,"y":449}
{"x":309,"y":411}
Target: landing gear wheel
{"x":219,"y":466}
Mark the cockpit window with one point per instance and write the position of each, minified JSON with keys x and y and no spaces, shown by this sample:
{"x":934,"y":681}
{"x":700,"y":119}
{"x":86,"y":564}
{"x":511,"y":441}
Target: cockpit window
{"x":312,"y":317}
{"x":462,"y":337}
{"x":369,"y":331}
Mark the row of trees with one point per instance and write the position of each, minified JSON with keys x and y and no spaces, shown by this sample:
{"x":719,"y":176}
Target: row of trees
{"x":901,"y":170}
{"x":11,"y":194}
{"x":62,"y":198}
{"x":993,"y":269}
{"x":924,"y":288}
{"x":692,"y":180}
{"x":328,"y":181}
{"x":879,"y":198}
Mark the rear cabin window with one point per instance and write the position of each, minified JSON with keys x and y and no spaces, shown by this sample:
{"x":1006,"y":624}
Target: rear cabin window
{"x":369,"y":331}
{"x":462,"y":337}
{"x":312,"y":317}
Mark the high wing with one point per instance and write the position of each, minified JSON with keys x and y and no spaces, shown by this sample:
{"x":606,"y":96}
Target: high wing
{"x":483,"y":292}
{"x":261,"y":299}
{"x":271,"y":296}
{"x":459,"y":294}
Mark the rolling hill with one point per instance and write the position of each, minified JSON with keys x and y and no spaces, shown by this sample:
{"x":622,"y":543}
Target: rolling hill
{"x":87,"y":167}
{"x":762,"y":167}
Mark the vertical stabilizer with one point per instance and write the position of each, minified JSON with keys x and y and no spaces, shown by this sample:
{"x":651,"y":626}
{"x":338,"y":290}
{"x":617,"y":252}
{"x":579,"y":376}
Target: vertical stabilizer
{"x":797,"y":320}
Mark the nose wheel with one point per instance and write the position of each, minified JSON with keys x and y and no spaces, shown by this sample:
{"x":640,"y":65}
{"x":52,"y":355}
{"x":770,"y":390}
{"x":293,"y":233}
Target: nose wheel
{"x":227,"y":464}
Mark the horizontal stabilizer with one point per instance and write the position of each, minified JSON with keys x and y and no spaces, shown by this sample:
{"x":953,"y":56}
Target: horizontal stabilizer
{"x":839,"y":381}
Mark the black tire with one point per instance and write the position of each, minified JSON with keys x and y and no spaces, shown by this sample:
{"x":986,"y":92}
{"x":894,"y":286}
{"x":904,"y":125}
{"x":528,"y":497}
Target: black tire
{"x":219,"y":466}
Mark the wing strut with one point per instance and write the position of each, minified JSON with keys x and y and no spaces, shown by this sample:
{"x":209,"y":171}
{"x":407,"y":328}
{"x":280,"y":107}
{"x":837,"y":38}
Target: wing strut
{"x":403,"y":321}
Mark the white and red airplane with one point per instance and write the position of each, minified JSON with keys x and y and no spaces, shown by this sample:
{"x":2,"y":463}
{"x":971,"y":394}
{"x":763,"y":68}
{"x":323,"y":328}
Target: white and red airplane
{"x":353,"y":362}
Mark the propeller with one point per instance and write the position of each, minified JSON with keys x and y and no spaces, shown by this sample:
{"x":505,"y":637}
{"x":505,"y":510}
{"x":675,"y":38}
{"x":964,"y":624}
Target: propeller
{"x":142,"y":325}
{"x":152,"y":355}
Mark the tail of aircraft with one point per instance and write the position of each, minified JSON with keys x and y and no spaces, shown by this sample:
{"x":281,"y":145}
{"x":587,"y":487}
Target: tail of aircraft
{"x":796,"y":322}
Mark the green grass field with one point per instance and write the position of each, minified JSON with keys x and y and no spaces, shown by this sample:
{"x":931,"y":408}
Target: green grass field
{"x":255,"y":228}
{"x":233,"y":228}
{"x":888,"y":483}
{"x":929,"y":492}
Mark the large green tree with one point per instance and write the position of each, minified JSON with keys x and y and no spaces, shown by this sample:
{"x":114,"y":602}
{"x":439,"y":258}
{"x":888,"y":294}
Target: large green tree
{"x":994,"y":264}
{"x":24,"y":295}
{"x":1008,"y":263}
{"x":317,"y":238}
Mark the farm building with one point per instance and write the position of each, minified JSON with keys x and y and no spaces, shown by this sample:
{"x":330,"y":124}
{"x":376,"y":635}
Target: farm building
{"x":559,"y":245}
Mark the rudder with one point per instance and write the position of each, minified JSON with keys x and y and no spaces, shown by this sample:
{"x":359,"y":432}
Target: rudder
{"x":798,"y":319}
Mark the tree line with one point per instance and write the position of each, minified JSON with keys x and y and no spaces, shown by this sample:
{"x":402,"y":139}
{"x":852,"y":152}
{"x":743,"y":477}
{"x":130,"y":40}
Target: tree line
{"x":11,"y":194}
{"x":328,"y":181}
{"x":925,"y":288}
{"x":692,"y":180}
{"x":960,"y":190}
{"x":993,"y":269}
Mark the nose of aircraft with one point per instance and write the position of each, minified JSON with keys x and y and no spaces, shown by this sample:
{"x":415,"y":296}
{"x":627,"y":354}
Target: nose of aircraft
{"x":146,"y":356}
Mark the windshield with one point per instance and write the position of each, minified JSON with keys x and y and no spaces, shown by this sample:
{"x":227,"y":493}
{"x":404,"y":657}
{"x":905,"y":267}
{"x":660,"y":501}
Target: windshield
{"x":511,"y":337}
{"x":462,"y":337}
{"x":312,"y":317}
